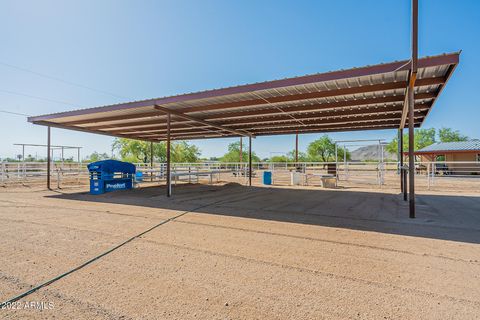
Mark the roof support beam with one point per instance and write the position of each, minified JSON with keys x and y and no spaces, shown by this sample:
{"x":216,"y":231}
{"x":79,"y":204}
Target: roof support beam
{"x":319,"y":117}
{"x":163,"y":130}
{"x":405,"y":106}
{"x":316,"y":95}
{"x":115,"y":118}
{"x":372,"y":114}
{"x":201,"y":121}
{"x":326,"y":109}
{"x":74,"y":128}
{"x":343,"y":127}
{"x":392,"y":122}
{"x":292,"y":126}
{"x":316,"y":107}
{"x":349,"y":127}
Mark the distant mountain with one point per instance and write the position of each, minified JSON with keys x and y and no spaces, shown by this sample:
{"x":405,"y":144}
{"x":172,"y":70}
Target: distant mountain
{"x":371,"y":153}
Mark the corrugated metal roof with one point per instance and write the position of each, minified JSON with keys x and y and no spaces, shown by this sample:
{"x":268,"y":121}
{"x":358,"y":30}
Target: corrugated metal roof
{"x":472,"y":145}
{"x":355,"y":99}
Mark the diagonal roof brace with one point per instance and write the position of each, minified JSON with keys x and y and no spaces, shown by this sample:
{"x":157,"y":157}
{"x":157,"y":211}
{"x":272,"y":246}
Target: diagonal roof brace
{"x":410,"y":78}
{"x":201,"y":121}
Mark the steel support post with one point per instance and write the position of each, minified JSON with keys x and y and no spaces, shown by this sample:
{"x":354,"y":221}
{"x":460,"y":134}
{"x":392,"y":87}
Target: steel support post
{"x":151,"y":161}
{"x":250,"y":161}
{"x":411,"y":156}
{"x":411,"y":111}
{"x":169,"y":180}
{"x":296,"y":149}
{"x":403,"y":177}
{"x":24,"y":173}
{"x":241,"y":151}
{"x":48,"y":158}
{"x":79,"y":164}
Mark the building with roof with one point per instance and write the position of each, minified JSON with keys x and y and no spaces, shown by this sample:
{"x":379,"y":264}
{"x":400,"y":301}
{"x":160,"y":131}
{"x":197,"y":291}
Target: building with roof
{"x":451,"y":151}
{"x":454,"y":154}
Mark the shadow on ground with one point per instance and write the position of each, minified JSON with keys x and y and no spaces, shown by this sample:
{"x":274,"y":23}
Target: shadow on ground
{"x":455,"y":218}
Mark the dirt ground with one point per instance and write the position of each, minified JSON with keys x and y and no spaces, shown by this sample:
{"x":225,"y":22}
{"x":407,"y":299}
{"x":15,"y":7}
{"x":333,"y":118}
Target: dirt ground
{"x":241,"y":253}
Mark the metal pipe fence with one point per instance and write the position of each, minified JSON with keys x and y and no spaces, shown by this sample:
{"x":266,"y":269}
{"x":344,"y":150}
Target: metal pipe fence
{"x":440,"y":176}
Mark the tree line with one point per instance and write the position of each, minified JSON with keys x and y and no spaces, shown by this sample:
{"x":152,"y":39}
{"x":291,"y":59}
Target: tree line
{"x":320,"y":150}
{"x":425,"y":137}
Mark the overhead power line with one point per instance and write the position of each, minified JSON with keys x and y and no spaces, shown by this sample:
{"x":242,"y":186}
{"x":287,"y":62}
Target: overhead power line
{"x":36,"y":97}
{"x":62,"y":80}
{"x":15,"y":113}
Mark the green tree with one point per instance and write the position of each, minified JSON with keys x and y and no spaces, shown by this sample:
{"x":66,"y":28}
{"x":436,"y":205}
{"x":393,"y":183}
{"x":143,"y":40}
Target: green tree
{"x":302,"y":156}
{"x":95,"y":156}
{"x":289,"y":157}
{"x":135,"y":150}
{"x":422,"y":139}
{"x":450,"y":135}
{"x":139,"y":151}
{"x":323,"y":150}
{"x":281,"y":158}
{"x":184,"y":152}
{"x":233,"y":154}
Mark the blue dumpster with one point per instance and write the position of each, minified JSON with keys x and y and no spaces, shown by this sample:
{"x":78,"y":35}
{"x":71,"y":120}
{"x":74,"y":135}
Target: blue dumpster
{"x":267,"y":177}
{"x":110,"y":175}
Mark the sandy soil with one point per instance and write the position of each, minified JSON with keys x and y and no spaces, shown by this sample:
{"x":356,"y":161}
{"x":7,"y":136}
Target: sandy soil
{"x":242,"y":253}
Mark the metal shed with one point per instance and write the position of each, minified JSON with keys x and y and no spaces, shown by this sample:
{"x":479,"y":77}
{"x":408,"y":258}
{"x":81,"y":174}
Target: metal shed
{"x":384,"y":96}
{"x":365,"y":98}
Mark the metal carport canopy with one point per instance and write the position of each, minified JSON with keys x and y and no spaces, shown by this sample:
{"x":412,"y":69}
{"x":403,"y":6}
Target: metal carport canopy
{"x":365,"y":98}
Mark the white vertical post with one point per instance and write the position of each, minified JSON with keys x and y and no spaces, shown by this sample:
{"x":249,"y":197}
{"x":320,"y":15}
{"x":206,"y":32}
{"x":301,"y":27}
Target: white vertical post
{"x":336,"y":161}
{"x":428,"y":176}
{"x":23,"y":162}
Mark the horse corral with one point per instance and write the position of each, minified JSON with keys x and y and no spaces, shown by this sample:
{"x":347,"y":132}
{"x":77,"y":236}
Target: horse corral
{"x":242,"y":252}
{"x":248,"y":240}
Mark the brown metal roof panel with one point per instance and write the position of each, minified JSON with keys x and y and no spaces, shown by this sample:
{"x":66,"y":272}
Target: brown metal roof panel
{"x":396,"y":66}
{"x":93,"y":117}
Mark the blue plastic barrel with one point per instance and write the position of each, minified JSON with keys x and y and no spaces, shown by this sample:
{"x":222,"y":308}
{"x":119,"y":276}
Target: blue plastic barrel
{"x":267,"y":177}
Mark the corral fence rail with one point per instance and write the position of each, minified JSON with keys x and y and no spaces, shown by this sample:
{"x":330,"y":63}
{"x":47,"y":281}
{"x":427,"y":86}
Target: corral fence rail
{"x":429,"y":175}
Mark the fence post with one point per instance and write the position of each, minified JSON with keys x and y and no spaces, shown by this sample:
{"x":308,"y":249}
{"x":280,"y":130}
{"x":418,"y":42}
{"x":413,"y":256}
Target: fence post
{"x":434,"y":171}
{"x":428,"y":176}
{"x":58,"y":179}
{"x":378,"y":174}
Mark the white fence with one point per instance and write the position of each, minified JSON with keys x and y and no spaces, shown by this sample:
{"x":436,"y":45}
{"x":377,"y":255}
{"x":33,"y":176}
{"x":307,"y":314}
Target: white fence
{"x":429,"y":175}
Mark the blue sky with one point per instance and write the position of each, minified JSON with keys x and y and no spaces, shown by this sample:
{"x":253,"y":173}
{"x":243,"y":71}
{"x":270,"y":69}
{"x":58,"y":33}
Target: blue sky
{"x":147,"y":49}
